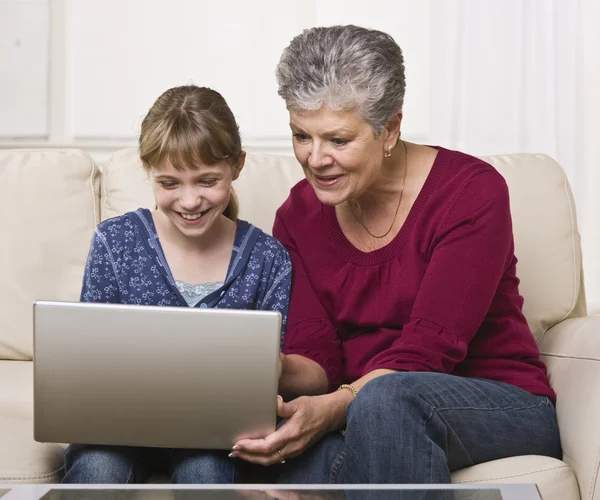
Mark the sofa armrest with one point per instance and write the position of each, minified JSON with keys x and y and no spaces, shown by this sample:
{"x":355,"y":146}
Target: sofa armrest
{"x":571,"y":351}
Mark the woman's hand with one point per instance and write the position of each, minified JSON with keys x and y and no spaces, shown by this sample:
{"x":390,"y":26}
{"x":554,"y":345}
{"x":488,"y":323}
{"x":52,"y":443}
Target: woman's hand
{"x":307,"y":419}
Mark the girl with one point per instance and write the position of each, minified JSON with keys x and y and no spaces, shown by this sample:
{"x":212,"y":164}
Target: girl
{"x":191,"y":251}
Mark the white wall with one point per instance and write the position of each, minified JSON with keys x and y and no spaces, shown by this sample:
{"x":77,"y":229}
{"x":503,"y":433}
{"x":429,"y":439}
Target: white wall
{"x":110,"y":59}
{"x":482,"y":76}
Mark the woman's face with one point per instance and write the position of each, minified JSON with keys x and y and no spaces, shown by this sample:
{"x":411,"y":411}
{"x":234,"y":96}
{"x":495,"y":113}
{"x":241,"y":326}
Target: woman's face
{"x":339,"y":152}
{"x":193,"y":199}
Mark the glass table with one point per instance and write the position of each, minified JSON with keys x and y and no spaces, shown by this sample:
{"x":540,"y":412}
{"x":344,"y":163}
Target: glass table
{"x":269,"y":492}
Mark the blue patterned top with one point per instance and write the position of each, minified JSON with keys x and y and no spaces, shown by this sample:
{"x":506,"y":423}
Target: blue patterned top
{"x":126,"y":265}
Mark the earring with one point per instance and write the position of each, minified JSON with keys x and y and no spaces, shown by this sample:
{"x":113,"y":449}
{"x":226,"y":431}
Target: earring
{"x":388,"y":153}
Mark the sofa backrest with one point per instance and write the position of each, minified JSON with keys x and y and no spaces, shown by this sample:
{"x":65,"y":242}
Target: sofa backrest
{"x":48,"y":210}
{"x":545,"y":226}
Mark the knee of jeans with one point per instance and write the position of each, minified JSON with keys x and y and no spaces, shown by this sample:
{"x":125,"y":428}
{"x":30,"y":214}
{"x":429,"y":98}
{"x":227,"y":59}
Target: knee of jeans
{"x":97,"y":465}
{"x":392,"y":394}
{"x":204,"y":468}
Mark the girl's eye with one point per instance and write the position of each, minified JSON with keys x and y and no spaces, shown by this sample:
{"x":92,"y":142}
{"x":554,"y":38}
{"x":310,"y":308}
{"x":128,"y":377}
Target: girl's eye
{"x":208,"y":182}
{"x":167,"y":184}
{"x":300,"y":137}
{"x":339,"y":142}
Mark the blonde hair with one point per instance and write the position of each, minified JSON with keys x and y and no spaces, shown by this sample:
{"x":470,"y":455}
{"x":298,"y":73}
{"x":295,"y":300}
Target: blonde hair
{"x":189,"y":125}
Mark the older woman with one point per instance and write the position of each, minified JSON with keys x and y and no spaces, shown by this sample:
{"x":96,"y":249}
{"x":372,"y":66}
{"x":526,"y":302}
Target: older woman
{"x":405,"y":295}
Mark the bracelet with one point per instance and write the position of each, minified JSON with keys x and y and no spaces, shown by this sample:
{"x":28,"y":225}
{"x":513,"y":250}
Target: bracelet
{"x":350,"y":387}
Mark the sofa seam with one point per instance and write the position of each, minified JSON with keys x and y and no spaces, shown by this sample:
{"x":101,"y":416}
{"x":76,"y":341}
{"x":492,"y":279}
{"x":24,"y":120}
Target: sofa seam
{"x":573,"y":250}
{"x":40,"y":476}
{"x":93,"y":172}
{"x":103,"y":195}
{"x":512,"y":475}
{"x":563,"y":356}
{"x":594,"y":478}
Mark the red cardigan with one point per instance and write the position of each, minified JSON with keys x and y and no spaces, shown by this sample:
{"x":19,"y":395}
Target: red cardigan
{"x":441,"y":297}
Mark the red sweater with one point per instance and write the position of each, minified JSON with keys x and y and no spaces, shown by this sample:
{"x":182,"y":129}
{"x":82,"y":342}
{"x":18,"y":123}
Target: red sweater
{"x":442,"y":296}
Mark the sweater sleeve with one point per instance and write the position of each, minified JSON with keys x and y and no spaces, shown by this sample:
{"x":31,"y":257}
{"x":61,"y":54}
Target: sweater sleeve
{"x":99,"y":280}
{"x":468,"y":257}
{"x":310,"y":332}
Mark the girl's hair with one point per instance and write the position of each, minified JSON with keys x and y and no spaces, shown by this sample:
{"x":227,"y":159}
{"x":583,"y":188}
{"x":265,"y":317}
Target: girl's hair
{"x":189,"y":125}
{"x":347,"y":68}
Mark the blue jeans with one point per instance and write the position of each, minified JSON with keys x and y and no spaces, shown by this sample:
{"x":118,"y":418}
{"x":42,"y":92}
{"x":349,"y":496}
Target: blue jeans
{"x":122,"y":464}
{"x":420,"y":427}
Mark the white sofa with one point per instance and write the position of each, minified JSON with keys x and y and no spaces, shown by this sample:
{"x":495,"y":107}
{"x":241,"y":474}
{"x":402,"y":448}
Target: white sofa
{"x":50,"y":201}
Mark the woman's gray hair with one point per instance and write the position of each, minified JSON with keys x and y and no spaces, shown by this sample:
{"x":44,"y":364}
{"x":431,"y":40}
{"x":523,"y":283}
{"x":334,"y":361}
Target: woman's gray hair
{"x":344,"y":68}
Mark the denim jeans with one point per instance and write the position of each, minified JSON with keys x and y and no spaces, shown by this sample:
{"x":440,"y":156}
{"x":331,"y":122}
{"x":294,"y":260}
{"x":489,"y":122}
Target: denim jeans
{"x":417,"y":428}
{"x":121,"y":465}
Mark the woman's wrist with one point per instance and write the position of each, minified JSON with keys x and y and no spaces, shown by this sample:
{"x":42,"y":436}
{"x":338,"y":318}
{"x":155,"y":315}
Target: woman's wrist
{"x":338,"y":403}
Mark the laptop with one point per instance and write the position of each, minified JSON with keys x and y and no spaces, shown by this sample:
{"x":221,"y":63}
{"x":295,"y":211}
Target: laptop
{"x":154,"y":376}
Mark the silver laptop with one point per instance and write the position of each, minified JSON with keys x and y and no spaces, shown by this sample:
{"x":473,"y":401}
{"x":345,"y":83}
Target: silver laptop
{"x":153,"y":376}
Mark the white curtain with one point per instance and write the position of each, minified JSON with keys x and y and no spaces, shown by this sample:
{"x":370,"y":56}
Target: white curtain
{"x":524,"y":76}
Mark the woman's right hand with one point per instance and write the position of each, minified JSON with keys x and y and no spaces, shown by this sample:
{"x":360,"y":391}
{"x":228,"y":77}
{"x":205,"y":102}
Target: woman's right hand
{"x":307,"y":419}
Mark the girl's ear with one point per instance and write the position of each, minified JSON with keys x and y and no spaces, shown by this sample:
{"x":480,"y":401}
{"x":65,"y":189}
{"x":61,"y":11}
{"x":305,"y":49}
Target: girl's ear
{"x":237,"y":168}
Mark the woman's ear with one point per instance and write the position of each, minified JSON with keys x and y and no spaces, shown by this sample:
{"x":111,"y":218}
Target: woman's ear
{"x":392,"y":130}
{"x":237,"y":168}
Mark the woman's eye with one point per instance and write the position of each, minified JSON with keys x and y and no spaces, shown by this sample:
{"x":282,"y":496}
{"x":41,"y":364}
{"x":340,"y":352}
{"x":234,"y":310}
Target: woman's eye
{"x":339,"y":142}
{"x":167,"y":185}
{"x":300,"y":137}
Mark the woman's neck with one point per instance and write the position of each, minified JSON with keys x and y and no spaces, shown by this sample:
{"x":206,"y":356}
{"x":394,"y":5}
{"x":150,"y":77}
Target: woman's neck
{"x":383,"y":193}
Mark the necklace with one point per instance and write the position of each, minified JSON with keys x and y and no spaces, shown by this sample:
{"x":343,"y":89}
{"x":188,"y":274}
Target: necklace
{"x":399,"y":201}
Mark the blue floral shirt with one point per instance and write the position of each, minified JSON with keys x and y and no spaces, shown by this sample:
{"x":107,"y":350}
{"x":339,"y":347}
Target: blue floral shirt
{"x":126,"y":265}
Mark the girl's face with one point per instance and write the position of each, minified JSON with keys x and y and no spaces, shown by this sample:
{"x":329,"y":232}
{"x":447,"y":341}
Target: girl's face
{"x":194,"y":199}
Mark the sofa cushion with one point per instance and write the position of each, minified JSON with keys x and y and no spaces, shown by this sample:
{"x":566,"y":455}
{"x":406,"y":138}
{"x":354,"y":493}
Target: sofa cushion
{"x":48,"y":211}
{"x":16,"y":389}
{"x":22,"y":460}
{"x":555,"y":479}
{"x":124,"y":185}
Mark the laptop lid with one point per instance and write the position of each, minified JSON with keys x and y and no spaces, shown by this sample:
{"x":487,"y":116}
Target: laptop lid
{"x":153,"y":376}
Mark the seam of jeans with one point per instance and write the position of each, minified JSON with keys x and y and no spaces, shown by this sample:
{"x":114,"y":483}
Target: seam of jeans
{"x":337,"y":464}
{"x":133,"y":464}
{"x":494,"y":478}
{"x":506,"y":408}
{"x":433,"y":410}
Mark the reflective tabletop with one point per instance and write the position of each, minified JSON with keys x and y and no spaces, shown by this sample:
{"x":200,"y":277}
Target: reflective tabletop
{"x":270,"y":492}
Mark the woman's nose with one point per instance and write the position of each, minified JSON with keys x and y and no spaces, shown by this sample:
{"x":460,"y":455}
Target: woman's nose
{"x":318,"y":157}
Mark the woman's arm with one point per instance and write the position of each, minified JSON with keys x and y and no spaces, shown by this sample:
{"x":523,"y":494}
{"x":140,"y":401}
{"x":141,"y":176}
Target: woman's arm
{"x":313,"y":354}
{"x":301,"y":376}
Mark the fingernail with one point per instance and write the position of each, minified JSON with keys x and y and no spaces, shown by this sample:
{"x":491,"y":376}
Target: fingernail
{"x":232,"y":455}
{"x":280,"y":398}
{"x":235,"y":447}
